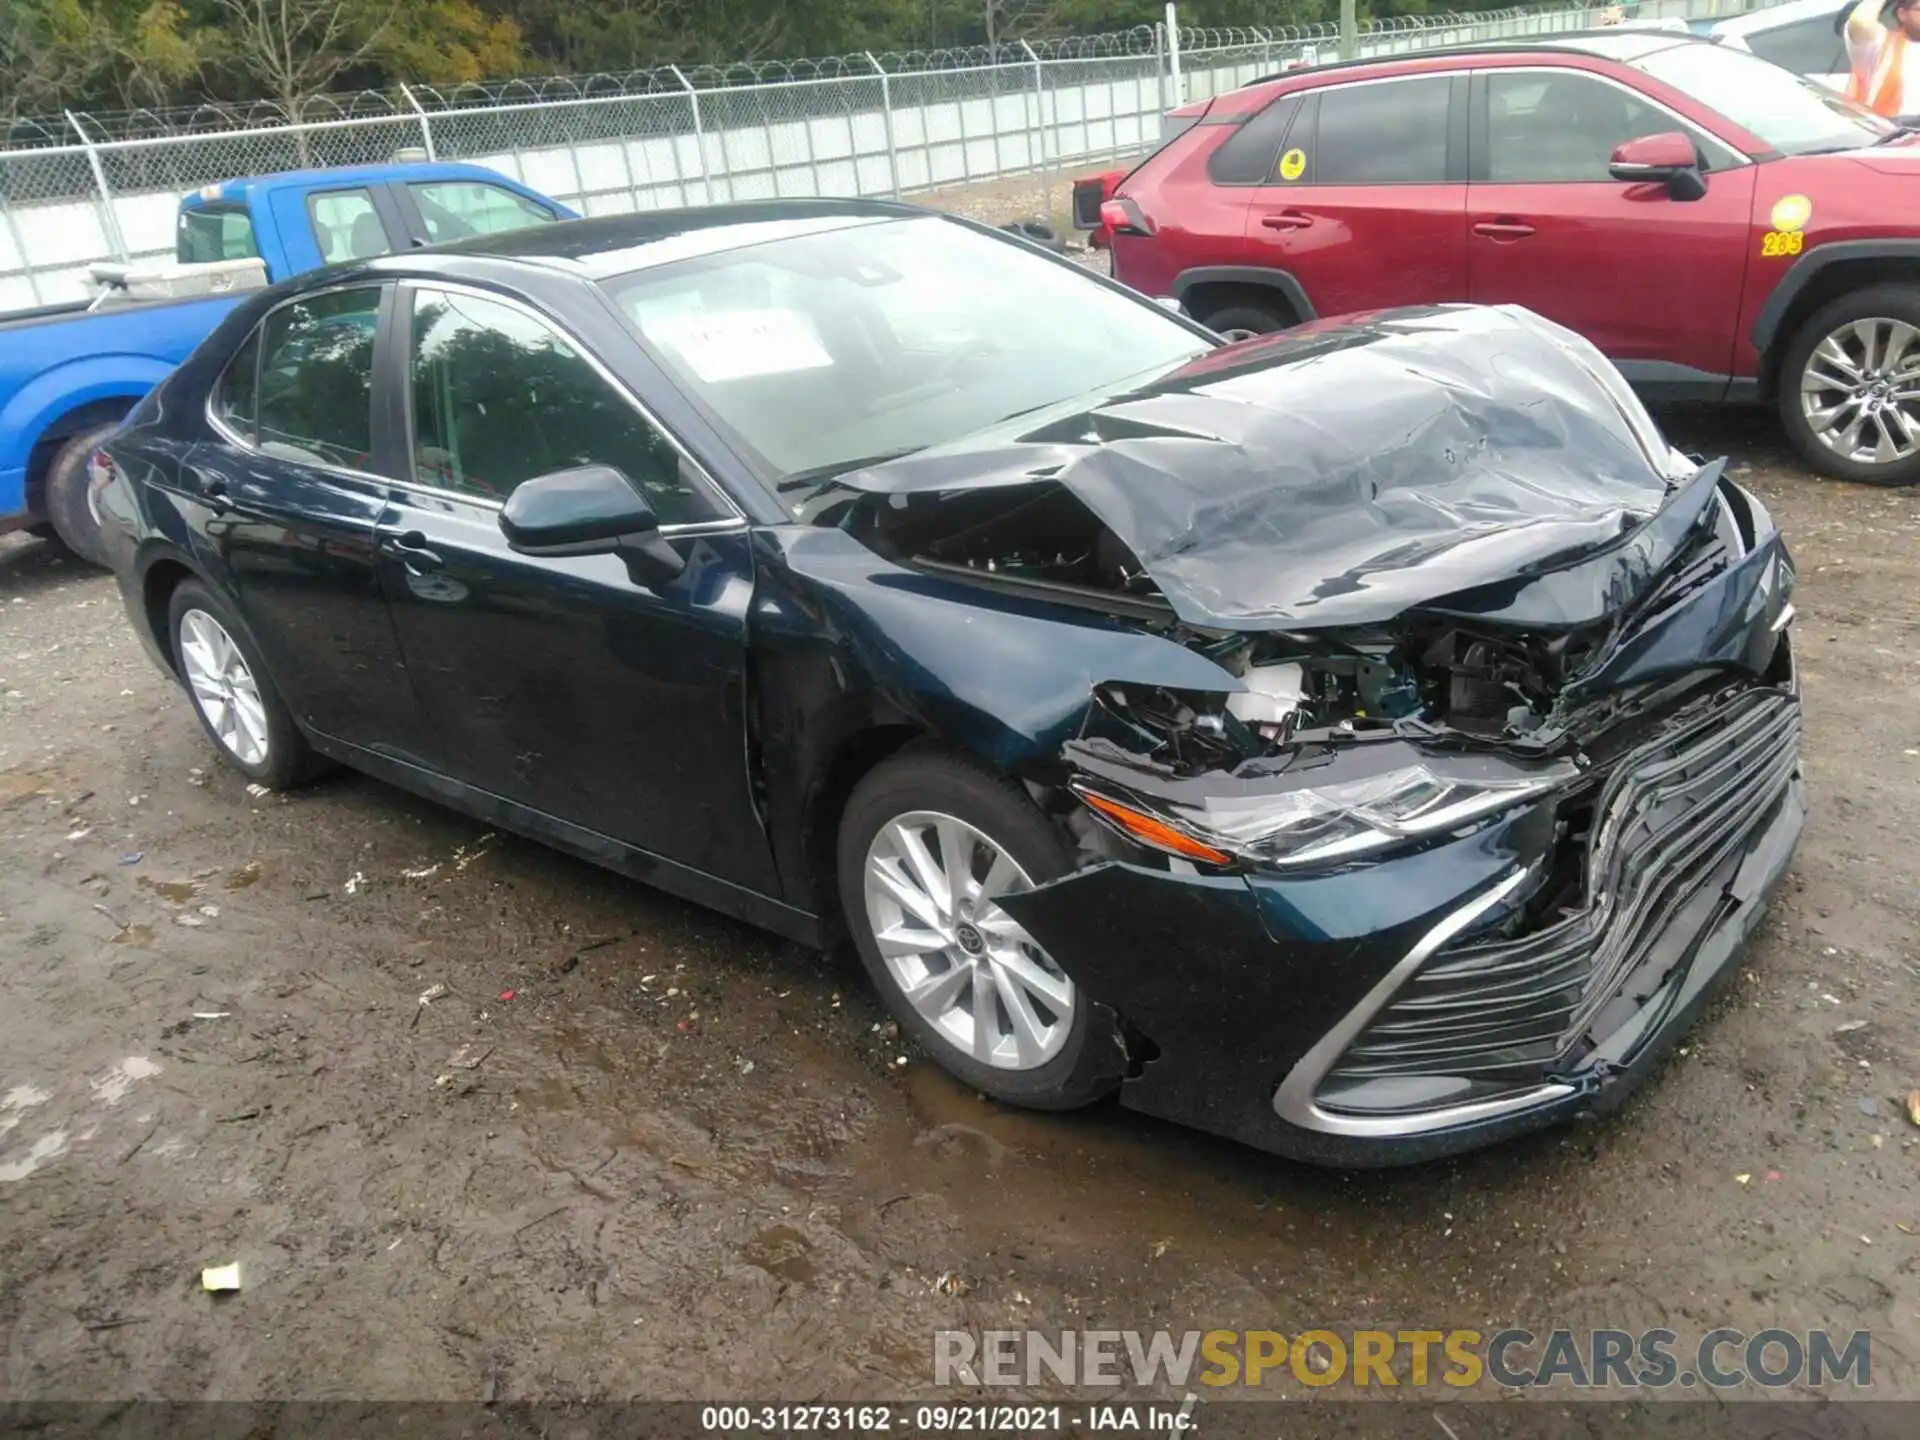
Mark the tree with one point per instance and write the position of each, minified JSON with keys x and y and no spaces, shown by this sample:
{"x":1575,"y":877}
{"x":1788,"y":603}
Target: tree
{"x":295,"y":49}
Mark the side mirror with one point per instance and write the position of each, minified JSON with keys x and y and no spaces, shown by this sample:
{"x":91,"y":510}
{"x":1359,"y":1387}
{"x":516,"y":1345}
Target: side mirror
{"x":592,"y":510}
{"x":1665,"y":159}
{"x":1172,"y":303}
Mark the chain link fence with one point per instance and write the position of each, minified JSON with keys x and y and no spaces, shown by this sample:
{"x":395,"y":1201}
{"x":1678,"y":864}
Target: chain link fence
{"x":79,"y":189}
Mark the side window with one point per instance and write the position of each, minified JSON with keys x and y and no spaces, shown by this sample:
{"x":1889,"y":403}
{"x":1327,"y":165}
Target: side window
{"x":347,"y":226}
{"x":499,"y":397}
{"x":1248,"y":155}
{"x":1559,"y":128}
{"x":1385,"y":133}
{"x":235,"y":396}
{"x":212,"y":233}
{"x":316,"y":379}
{"x":1806,"y":47}
{"x":457,"y":209}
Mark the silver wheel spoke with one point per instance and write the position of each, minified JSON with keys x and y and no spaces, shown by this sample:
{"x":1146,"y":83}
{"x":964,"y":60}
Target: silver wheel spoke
{"x":1055,"y":990}
{"x":223,"y":687}
{"x":891,"y":875}
{"x":934,"y":996}
{"x":1828,"y":352}
{"x":903,"y":939}
{"x":968,"y":968}
{"x":986,"y":1018}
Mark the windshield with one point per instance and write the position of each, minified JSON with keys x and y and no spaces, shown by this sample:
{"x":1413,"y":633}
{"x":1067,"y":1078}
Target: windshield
{"x":1794,"y":115}
{"x":871,"y":340}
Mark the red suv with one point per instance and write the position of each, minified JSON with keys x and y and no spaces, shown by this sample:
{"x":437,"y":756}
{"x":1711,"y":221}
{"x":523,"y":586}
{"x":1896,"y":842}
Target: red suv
{"x":1722,"y":228}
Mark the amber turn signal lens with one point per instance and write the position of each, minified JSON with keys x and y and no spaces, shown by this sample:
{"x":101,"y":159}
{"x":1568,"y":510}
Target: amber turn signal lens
{"x":1157,"y":833}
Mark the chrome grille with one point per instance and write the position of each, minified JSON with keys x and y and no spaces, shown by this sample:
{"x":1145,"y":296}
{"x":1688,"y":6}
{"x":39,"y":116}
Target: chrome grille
{"x":1670,"y":816}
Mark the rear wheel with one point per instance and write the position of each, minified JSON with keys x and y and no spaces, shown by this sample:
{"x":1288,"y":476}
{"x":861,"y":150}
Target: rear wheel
{"x":71,"y":509}
{"x":238,"y":707}
{"x":930,"y":842}
{"x":1241,"y":319}
{"x":1850,"y":387}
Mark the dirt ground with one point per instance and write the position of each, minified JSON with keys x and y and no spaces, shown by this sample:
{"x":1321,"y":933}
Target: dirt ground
{"x":690,"y":1161}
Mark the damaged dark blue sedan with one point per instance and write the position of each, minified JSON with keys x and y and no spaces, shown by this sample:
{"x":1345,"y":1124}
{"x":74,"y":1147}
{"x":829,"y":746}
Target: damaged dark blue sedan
{"x":1366,"y":742}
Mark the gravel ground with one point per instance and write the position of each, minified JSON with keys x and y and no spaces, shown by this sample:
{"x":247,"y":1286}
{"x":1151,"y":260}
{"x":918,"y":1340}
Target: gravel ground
{"x":634,"y":1149}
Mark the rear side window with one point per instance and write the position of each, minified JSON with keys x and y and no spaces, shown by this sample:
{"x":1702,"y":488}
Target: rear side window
{"x":234,"y":398}
{"x":215,"y":232}
{"x":316,"y":379}
{"x":1388,"y":132}
{"x":457,"y":209}
{"x":1249,"y":154}
{"x":1806,"y":47}
{"x":347,"y":226}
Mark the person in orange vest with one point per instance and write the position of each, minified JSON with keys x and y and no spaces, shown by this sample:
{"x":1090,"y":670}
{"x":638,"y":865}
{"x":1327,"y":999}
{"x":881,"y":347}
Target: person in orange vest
{"x":1885,"y":68}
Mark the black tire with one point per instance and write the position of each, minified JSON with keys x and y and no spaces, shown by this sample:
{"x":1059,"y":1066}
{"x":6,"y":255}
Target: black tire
{"x":68,"y":510}
{"x":1239,"y":318}
{"x":1091,"y":1061}
{"x":1893,"y":302}
{"x":289,"y":759}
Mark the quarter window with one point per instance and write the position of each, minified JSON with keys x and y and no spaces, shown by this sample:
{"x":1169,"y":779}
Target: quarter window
{"x":1248,"y":155}
{"x":499,"y":397}
{"x":316,"y":379}
{"x":457,"y":209}
{"x":1555,"y":128}
{"x":1385,"y":133}
{"x":233,"y":400}
{"x":347,"y":226}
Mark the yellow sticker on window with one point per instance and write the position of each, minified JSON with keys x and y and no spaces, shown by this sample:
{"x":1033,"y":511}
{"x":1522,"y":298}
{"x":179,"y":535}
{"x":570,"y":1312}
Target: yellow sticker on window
{"x":1781,"y":242}
{"x":1293,"y":164}
{"x":1791,"y":212}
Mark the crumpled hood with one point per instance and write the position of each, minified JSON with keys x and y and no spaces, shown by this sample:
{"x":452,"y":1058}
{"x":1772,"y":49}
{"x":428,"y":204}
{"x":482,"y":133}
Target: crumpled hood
{"x":1346,"y":471}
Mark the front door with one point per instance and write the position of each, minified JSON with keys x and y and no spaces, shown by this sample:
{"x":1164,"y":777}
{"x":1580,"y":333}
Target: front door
{"x":1366,"y":204}
{"x":562,"y":683}
{"x":1654,"y":281}
{"x":291,"y":502}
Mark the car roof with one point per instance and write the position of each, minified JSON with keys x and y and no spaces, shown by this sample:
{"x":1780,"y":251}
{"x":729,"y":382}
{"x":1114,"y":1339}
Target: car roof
{"x":1623,"y":46}
{"x":336,"y":177}
{"x":1758,"y":22}
{"x":595,"y":249}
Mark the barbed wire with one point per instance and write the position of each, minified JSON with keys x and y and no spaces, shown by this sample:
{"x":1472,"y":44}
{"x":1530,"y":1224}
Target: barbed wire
{"x":408,"y":100}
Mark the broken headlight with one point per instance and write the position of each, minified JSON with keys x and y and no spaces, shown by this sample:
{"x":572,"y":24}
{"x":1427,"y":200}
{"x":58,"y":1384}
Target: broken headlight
{"x":1314,"y":824}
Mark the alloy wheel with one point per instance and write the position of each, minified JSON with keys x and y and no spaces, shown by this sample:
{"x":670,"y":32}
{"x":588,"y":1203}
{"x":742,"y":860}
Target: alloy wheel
{"x":1860,"y":391}
{"x":933,"y":885}
{"x":223,"y":687}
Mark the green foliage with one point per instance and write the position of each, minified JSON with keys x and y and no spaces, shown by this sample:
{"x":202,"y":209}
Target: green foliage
{"x":116,"y":54}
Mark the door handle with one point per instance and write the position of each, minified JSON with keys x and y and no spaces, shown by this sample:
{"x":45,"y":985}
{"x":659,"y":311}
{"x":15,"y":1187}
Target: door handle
{"x":413,"y":551}
{"x":1286,"y":220}
{"x":1503,"y":229}
{"x":214,"y":493}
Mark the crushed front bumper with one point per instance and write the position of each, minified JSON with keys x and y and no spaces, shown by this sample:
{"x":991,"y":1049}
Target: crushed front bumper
{"x":1390,"y":1013}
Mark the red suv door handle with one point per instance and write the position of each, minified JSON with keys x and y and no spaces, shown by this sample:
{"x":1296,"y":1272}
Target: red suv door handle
{"x":1503,"y":229}
{"x":1286,"y":220}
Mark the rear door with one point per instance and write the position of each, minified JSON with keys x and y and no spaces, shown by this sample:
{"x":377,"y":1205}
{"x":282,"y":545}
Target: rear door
{"x":1654,"y":281}
{"x":1366,"y":203}
{"x":289,"y":494}
{"x":562,"y":683}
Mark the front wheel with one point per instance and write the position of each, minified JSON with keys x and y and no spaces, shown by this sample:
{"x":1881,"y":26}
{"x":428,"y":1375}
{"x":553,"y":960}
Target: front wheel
{"x":931,"y":841}
{"x":1850,"y":387}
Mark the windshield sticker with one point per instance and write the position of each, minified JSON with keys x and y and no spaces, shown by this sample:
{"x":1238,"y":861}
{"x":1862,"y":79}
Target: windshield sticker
{"x":1791,"y":212}
{"x":722,"y":345}
{"x":1293,"y":164}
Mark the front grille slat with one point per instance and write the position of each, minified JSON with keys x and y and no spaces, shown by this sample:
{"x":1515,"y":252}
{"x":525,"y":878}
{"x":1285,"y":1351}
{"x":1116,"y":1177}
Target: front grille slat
{"x":1670,"y":816}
